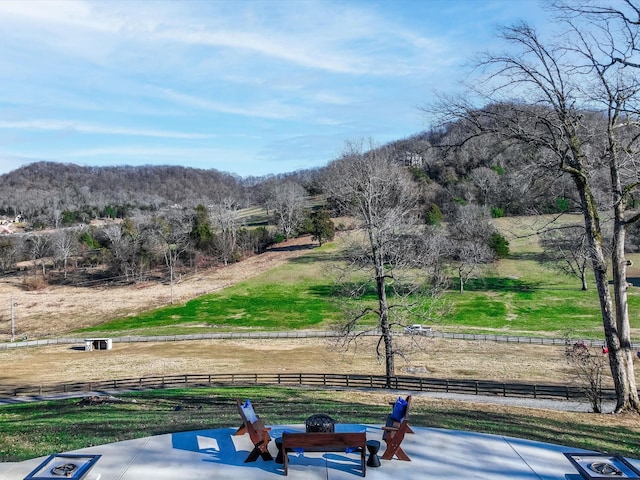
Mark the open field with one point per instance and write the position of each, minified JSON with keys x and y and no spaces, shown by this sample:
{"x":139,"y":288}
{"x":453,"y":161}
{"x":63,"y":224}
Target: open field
{"x":430,"y":357}
{"x":515,"y":296}
{"x":36,"y":429}
{"x":286,"y":291}
{"x":56,"y":311}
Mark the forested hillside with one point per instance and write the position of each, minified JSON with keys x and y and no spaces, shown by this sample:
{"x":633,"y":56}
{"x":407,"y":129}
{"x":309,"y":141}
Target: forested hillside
{"x":184,"y":217}
{"x":452,"y":167}
{"x":41,"y":188}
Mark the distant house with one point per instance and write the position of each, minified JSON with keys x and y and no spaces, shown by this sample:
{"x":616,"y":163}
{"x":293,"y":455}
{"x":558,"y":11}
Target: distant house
{"x":411,"y":159}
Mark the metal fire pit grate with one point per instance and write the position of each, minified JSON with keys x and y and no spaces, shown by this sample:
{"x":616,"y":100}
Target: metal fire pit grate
{"x":597,"y":465}
{"x":60,"y":465}
{"x":320,"y":423}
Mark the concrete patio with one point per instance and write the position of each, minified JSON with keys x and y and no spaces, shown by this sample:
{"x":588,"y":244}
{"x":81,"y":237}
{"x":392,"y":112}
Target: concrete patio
{"x":435,"y":454}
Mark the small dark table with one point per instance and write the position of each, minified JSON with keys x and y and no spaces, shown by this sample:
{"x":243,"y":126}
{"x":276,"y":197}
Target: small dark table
{"x":373,"y":446}
{"x":279,"y":458}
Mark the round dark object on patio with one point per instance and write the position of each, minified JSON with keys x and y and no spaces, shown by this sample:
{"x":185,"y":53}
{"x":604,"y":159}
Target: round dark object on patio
{"x":320,"y":423}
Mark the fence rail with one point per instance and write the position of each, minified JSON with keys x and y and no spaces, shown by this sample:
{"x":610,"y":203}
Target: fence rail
{"x":297,"y":334}
{"x":415,"y":384}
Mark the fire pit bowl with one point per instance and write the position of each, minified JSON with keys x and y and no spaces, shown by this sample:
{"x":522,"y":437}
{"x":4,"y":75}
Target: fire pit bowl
{"x":63,"y":465}
{"x":599,"y":466}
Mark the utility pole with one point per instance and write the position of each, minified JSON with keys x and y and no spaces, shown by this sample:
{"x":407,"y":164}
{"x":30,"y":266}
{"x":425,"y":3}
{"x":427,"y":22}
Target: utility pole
{"x":13,"y":320}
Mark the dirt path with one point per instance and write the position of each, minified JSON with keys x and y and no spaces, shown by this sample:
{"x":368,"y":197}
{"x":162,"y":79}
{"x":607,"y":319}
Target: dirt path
{"x":56,"y":310}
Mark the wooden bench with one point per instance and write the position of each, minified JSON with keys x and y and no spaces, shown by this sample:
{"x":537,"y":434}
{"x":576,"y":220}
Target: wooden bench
{"x":325,"y":442}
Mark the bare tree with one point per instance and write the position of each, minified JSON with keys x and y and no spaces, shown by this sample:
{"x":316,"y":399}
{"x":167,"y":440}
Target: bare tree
{"x":589,"y":366}
{"x":633,"y":237}
{"x":380,"y":194}
{"x":225,"y":215}
{"x":170,"y":238}
{"x":288,"y":204}
{"x":127,"y":243}
{"x":9,"y":252}
{"x":469,"y":234}
{"x":566,"y":249}
{"x":486,"y":181}
{"x":38,"y":247}
{"x":551,"y":81}
{"x":64,"y":242}
{"x":618,"y":21}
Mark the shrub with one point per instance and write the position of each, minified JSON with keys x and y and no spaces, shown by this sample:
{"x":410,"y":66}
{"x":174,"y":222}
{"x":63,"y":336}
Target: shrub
{"x":434,"y":215}
{"x":562,"y":204}
{"x":497,"y":212}
{"x":34,"y":283}
{"x":499,"y":245}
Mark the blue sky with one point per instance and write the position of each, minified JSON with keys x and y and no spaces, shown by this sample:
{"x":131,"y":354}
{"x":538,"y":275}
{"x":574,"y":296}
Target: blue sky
{"x":249,"y":87}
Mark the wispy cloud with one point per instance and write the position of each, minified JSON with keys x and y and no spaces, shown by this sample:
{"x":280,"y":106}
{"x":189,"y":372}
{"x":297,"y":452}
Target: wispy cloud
{"x":62,"y":125}
{"x":329,"y":36}
{"x":146,"y":151}
{"x":271,"y":109}
{"x":187,"y":79}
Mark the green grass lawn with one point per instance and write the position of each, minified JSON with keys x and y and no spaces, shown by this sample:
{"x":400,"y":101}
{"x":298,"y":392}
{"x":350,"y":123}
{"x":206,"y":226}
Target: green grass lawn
{"x":290,"y":297}
{"x":35,"y":429}
{"x":514,"y":296}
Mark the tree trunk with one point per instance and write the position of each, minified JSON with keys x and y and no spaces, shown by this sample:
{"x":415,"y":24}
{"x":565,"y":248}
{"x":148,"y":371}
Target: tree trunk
{"x":622,"y":358}
{"x":620,"y":366}
{"x":383,"y":310}
{"x":385,"y":328}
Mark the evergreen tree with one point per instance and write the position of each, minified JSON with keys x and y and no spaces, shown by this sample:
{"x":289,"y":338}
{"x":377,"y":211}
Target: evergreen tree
{"x":201,"y":232}
{"x":323,"y":228}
